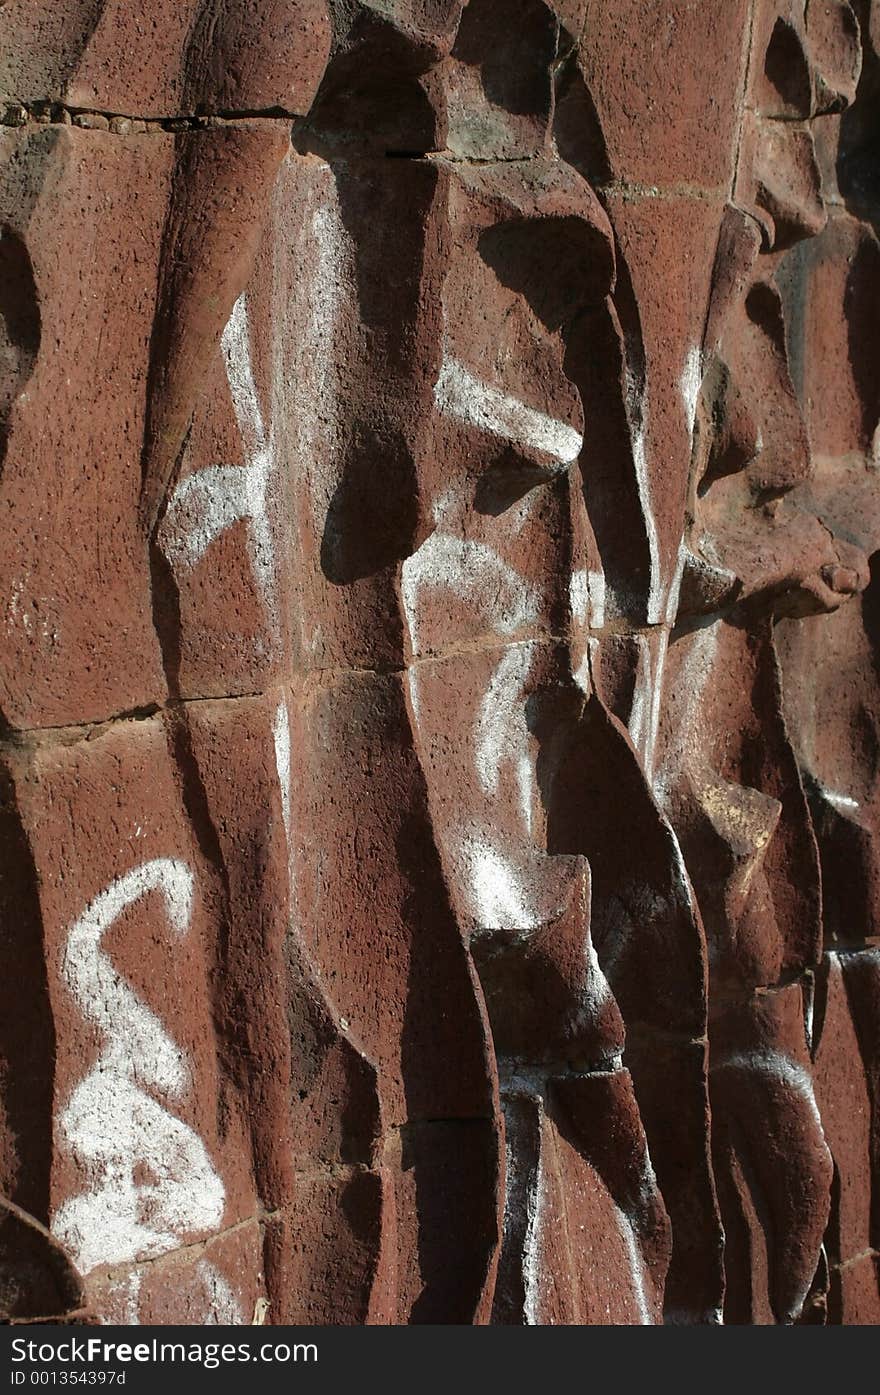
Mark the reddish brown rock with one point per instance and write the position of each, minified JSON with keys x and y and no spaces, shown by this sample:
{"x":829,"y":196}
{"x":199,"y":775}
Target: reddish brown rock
{"x":833,"y":283}
{"x":854,"y":1299}
{"x":586,"y":1233}
{"x":663,"y":122}
{"x":671,"y":1085}
{"x":198,"y":56}
{"x":773,"y":1167}
{"x":324,"y":1261}
{"x":438,"y":815}
{"x":845,"y":1086}
{"x":220,"y":1282}
{"x":439,"y":1169}
{"x":128,"y":908}
{"x":79,"y":640}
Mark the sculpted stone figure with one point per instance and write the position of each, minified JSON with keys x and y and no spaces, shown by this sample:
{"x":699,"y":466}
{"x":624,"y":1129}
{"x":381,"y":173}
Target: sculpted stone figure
{"x":438,"y":688}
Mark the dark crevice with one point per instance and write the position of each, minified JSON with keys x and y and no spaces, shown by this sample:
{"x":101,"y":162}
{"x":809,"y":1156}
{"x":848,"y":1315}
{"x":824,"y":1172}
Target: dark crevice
{"x":46,"y":112}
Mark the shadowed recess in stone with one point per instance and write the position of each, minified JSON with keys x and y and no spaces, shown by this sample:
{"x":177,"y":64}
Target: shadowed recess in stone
{"x":440,"y":742}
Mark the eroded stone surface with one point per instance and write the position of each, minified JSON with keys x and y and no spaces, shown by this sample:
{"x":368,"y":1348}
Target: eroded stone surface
{"x":438,"y":787}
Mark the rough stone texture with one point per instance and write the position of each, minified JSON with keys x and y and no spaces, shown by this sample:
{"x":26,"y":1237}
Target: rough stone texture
{"x":439,"y":805}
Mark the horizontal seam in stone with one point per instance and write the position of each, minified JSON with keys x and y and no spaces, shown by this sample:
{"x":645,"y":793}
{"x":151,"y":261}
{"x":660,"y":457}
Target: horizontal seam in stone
{"x":106,"y":1271}
{"x":46,"y":112}
{"x":14,"y":738}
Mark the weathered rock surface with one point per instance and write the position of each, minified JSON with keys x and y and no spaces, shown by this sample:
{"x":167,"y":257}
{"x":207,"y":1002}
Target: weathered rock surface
{"x":439,"y":805}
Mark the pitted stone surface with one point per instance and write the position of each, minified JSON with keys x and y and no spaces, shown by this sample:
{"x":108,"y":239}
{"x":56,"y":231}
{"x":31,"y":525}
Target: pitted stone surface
{"x":439,"y":810}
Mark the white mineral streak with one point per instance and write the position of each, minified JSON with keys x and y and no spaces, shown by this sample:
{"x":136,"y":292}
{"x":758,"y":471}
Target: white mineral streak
{"x":415,"y":699}
{"x":579,"y":596}
{"x":207,"y":503}
{"x":637,"y":419}
{"x":644,"y":722}
{"x":582,"y":675}
{"x":870,"y":955}
{"x":235,"y":345}
{"x":281,"y":740}
{"x":636,"y":1267}
{"x":681,"y":885}
{"x":809,"y":993}
{"x":523,"y":1198}
{"x":843,"y":803}
{"x":502,"y":736}
{"x":645,"y":719}
{"x":151,"y":1179}
{"x":223,"y":1306}
{"x":656,"y":695}
{"x":693,"y":677}
{"x":586,"y":598}
{"x":496,"y":875}
{"x":314,"y":390}
{"x":472,"y":572}
{"x":282,"y":746}
{"x":689,"y":387}
{"x":596,"y":586}
{"x":460,"y":394}
{"x":641,"y":693}
{"x":532,"y":1249}
{"x":600,"y":990}
{"x":123,"y":1299}
{"x":500,"y":896}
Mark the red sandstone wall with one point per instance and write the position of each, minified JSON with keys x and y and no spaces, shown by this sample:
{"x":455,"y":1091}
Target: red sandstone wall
{"x":438,"y":863}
